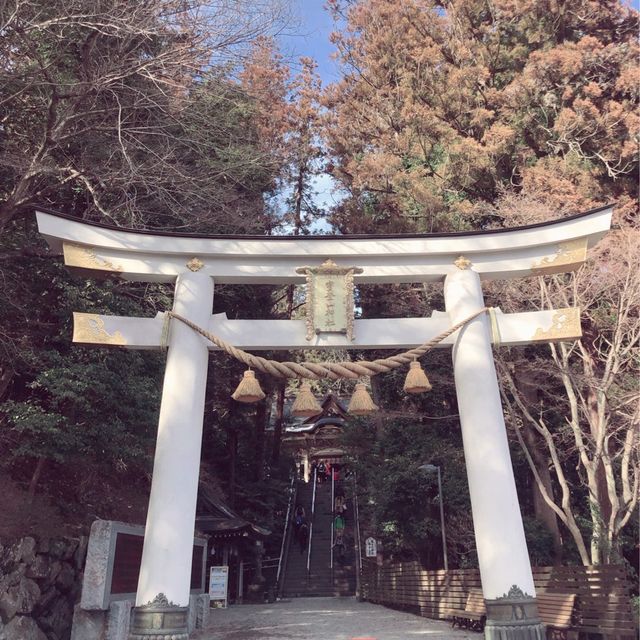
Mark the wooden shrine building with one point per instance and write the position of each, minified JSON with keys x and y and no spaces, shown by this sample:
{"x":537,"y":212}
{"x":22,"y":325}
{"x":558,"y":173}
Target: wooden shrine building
{"x":318,"y":438}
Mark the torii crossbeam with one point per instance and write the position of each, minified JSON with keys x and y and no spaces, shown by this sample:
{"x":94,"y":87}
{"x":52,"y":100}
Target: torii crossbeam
{"x":459,"y":260}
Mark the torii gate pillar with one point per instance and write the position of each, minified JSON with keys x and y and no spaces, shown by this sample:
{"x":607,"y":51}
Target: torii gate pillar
{"x":165,"y":571}
{"x":505,"y":569}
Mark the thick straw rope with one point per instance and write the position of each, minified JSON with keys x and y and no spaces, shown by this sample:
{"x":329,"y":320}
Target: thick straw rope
{"x":331,"y":370}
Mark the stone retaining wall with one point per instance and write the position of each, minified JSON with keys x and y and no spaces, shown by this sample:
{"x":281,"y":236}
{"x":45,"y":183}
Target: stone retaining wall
{"x":40,"y":581}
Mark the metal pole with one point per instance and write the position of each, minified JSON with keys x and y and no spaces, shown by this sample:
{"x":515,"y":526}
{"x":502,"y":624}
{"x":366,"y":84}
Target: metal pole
{"x":332,"y":513}
{"x":313,"y":510}
{"x":358,"y":549}
{"x":444,"y":538}
{"x":292,"y":492}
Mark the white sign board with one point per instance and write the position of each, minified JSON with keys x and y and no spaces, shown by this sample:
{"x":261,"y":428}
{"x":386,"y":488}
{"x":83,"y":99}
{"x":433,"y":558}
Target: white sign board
{"x":218,"y":583}
{"x":371,"y":547}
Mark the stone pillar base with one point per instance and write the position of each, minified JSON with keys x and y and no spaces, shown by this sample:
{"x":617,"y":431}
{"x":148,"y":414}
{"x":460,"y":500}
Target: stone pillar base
{"x":513,"y":617}
{"x":159,"y":620}
{"x":519,"y":631}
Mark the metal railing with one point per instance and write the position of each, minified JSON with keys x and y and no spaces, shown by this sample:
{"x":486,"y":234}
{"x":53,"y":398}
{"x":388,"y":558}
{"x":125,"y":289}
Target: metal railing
{"x":292,"y":495}
{"x":313,"y":510}
{"x":266,"y":564}
{"x":333,"y":497}
{"x":358,"y":544}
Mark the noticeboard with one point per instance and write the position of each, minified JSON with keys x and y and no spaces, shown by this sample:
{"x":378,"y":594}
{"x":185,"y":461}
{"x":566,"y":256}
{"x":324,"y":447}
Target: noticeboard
{"x":218,"y":584}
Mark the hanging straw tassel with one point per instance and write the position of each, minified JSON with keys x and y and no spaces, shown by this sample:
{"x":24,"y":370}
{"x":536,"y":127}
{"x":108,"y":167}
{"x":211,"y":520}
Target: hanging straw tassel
{"x":249,"y":389}
{"x":416,"y":380}
{"x":361,"y":403}
{"x":305,"y":404}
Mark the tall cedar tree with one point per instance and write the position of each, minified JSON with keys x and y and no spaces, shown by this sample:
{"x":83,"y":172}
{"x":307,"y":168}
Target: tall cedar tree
{"x":444,"y":104}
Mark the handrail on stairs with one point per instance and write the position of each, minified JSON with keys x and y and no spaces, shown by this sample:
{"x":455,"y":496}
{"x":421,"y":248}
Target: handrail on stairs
{"x":333,"y":497}
{"x":358,"y":543}
{"x":286,"y":537}
{"x":313,"y":510}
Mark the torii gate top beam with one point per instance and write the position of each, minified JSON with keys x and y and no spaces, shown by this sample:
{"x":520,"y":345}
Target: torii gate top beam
{"x":552,"y":247}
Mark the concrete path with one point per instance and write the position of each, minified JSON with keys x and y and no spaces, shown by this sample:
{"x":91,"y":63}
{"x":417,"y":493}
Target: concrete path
{"x":324,"y":619}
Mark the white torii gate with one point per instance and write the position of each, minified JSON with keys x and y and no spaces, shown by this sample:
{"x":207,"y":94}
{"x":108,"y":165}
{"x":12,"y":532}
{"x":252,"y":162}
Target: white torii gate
{"x":460,"y":260}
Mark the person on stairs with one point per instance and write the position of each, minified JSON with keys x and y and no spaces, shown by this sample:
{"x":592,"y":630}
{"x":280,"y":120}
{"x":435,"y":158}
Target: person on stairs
{"x":322,"y":471}
{"x":299,"y":515}
{"x":303,"y":536}
{"x":340,"y":505}
{"x":340,"y":547}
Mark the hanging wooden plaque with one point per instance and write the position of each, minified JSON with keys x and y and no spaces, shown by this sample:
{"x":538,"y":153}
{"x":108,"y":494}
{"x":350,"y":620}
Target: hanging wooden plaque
{"x":329,"y":302}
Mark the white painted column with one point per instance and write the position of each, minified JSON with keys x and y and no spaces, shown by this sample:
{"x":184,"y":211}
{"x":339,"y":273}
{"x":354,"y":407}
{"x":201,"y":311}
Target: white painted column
{"x":168,"y":539}
{"x":502,"y":549}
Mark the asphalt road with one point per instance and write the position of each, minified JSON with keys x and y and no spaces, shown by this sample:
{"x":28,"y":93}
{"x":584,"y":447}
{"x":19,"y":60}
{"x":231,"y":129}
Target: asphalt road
{"x":324,"y":619}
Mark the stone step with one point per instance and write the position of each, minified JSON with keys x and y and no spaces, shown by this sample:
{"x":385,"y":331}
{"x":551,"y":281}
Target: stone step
{"x":322,"y":580}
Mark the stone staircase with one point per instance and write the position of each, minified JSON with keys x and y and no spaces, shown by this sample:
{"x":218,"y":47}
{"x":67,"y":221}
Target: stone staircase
{"x":321,"y":579}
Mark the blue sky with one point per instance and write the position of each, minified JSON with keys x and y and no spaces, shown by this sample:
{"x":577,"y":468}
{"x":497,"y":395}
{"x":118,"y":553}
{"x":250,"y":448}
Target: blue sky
{"x":308,"y":35}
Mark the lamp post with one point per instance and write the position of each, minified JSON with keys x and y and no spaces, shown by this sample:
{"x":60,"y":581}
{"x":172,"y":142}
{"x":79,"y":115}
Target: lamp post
{"x":431,"y":468}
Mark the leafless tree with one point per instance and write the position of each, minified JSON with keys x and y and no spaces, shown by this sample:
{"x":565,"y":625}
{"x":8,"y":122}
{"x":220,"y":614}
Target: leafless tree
{"x":121,"y":109}
{"x":575,"y":411}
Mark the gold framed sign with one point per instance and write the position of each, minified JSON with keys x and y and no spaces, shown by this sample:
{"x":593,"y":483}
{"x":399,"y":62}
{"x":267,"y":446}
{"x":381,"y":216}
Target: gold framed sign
{"x":329,"y":304}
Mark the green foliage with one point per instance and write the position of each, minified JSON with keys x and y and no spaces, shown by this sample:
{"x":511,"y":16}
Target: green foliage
{"x":69,"y":403}
{"x":40,"y":434}
{"x":398,"y":502}
{"x":539,"y":542}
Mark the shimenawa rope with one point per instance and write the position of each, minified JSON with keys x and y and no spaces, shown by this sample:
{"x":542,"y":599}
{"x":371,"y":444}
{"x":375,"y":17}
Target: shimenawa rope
{"x":331,"y":370}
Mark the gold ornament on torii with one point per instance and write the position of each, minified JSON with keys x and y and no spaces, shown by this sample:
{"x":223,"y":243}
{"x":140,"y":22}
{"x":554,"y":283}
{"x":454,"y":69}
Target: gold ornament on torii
{"x":329,"y":302}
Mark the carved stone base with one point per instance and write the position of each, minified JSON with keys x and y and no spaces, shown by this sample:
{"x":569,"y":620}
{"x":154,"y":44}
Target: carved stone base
{"x":520,"y":631}
{"x":513,"y":617}
{"x":159,"y":620}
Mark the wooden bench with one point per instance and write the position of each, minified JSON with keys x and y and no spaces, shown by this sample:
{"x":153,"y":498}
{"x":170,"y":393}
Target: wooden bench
{"x":603,"y":605}
{"x":555,"y":610}
{"x":473,"y":615}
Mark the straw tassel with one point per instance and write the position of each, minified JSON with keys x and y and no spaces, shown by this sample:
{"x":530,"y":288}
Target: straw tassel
{"x":305,"y":404}
{"x":416,"y":380}
{"x":249,"y":389}
{"x":361,"y":403}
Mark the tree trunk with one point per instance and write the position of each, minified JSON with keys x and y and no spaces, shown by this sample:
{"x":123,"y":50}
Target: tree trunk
{"x":232,"y":446}
{"x":278,"y":426}
{"x":260,"y":419}
{"x":279,"y":421}
{"x":377,"y":416}
{"x":6,"y":375}
{"x":601,"y":507}
{"x":297,"y":206}
{"x":543,"y":511}
{"x":34,"y":479}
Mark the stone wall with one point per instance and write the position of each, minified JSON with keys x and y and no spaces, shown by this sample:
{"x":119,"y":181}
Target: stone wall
{"x":40,"y":581}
